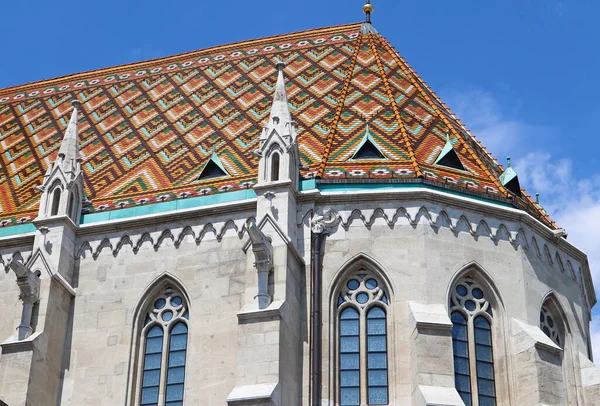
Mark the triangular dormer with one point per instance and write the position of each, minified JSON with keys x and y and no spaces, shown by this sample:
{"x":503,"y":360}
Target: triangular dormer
{"x":448,"y":157}
{"x":368,"y":148}
{"x":213,"y":169}
{"x":278,"y":151}
{"x":510,"y":179}
{"x":62,"y":189}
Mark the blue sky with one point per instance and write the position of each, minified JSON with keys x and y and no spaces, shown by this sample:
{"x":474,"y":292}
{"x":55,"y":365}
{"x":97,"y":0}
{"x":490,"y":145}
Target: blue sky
{"x":522,"y":74}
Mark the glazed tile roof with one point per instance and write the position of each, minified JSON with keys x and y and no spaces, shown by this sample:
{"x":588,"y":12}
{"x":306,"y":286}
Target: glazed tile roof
{"x":146,"y":130}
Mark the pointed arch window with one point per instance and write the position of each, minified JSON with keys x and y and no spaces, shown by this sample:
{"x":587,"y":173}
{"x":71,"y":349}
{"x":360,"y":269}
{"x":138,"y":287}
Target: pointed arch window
{"x":275,"y":167}
{"x":472,"y":317}
{"x":164,"y":354}
{"x":55,"y":201}
{"x":363,"y":342}
{"x":551,"y":324}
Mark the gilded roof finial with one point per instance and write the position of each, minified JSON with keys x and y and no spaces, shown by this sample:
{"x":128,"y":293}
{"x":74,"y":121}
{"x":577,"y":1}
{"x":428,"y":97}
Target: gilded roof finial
{"x":368,"y":9}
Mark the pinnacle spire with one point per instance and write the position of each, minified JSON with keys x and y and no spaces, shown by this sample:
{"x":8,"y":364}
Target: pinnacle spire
{"x":280,"y":118}
{"x":68,"y":154}
{"x":367,"y":27}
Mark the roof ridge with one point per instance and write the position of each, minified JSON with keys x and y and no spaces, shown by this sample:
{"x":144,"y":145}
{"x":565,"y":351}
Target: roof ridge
{"x":411,"y":75}
{"x":386,"y":83}
{"x":340,"y":108}
{"x":166,"y":59}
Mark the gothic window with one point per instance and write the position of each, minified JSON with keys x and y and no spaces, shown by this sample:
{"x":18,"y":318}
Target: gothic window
{"x":472,"y":317}
{"x":164,"y":351}
{"x":362,"y":340}
{"x":549,"y":325}
{"x":55,"y":201}
{"x":275,"y":167}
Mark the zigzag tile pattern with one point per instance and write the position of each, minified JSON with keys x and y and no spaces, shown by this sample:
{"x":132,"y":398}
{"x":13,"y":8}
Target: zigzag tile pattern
{"x":147,"y":129}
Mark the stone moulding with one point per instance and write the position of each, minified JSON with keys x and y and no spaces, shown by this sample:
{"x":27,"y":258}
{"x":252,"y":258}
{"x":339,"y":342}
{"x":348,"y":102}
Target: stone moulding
{"x":157,"y":238}
{"x":474,"y":224}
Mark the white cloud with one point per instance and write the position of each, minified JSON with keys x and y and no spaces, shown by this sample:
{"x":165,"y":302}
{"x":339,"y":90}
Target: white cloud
{"x":572,"y":201}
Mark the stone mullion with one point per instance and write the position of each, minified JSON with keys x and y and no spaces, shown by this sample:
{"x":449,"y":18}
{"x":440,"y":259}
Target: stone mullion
{"x":363,"y":357}
{"x":162,"y":389}
{"x":472,"y":362}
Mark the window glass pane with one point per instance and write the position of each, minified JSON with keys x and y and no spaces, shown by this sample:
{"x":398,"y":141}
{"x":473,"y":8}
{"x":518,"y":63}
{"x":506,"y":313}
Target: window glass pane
{"x":178,"y":342}
{"x":485,"y":370}
{"x":486,"y":387}
{"x":461,"y":349}
{"x":151,"y":378}
{"x":174,"y":404}
{"x":377,"y":378}
{"x":152,"y":361}
{"x":350,"y":378}
{"x":176,"y":375}
{"x":349,"y":361}
{"x":177,"y":359}
{"x":154,"y":345}
{"x":349,"y":327}
{"x":461,"y":365}
{"x":483,"y":336}
{"x":377,"y":361}
{"x":349,"y":344}
{"x":149,"y":396}
{"x":155,"y":331}
{"x":376,"y":313}
{"x":349,"y":397}
{"x":487,"y":401}
{"x":378,"y":396}
{"x":483,"y":353}
{"x":376,"y":343}
{"x":180,"y":328}
{"x":463,"y":383}
{"x":376,"y":326}
{"x":349,"y":314}
{"x":174,"y":392}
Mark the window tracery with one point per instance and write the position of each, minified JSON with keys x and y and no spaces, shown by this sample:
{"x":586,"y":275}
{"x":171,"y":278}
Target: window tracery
{"x":164,"y":351}
{"x":362,"y":334}
{"x":472,"y":317}
{"x":549,"y":326}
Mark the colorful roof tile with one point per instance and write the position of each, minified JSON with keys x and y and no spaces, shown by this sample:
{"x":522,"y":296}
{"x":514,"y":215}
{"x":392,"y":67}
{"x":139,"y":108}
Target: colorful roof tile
{"x":147,"y":130}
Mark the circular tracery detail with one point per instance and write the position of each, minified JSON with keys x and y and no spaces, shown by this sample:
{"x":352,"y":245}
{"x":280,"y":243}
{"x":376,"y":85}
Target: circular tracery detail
{"x":469,"y":296}
{"x":362,"y":289}
{"x":548,"y":325}
{"x":168,"y":307}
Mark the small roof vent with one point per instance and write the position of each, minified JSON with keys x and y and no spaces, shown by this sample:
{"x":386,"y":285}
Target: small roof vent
{"x":368,"y":148}
{"x":213,"y":169}
{"x":448,"y":157}
{"x":510,"y":179}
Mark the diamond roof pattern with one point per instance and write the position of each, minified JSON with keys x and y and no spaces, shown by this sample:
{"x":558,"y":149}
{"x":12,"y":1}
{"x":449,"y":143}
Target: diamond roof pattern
{"x":146,"y":130}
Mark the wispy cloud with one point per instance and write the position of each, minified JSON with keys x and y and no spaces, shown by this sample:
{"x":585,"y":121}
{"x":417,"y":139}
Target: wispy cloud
{"x":572,"y":201}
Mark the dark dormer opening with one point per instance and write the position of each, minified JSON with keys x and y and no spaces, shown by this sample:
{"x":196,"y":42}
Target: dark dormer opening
{"x":70,"y":208}
{"x":212,"y":170}
{"x":275,"y":167}
{"x":514,"y":186}
{"x":368,"y":151}
{"x":450,"y":160}
{"x":55,"y":202}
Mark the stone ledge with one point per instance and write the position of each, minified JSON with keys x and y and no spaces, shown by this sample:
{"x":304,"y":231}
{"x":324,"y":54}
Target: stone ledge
{"x":436,"y":396}
{"x":251,"y":313}
{"x":528,"y":336}
{"x":428,"y":316}
{"x":250,"y":394}
{"x":12,"y":345}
